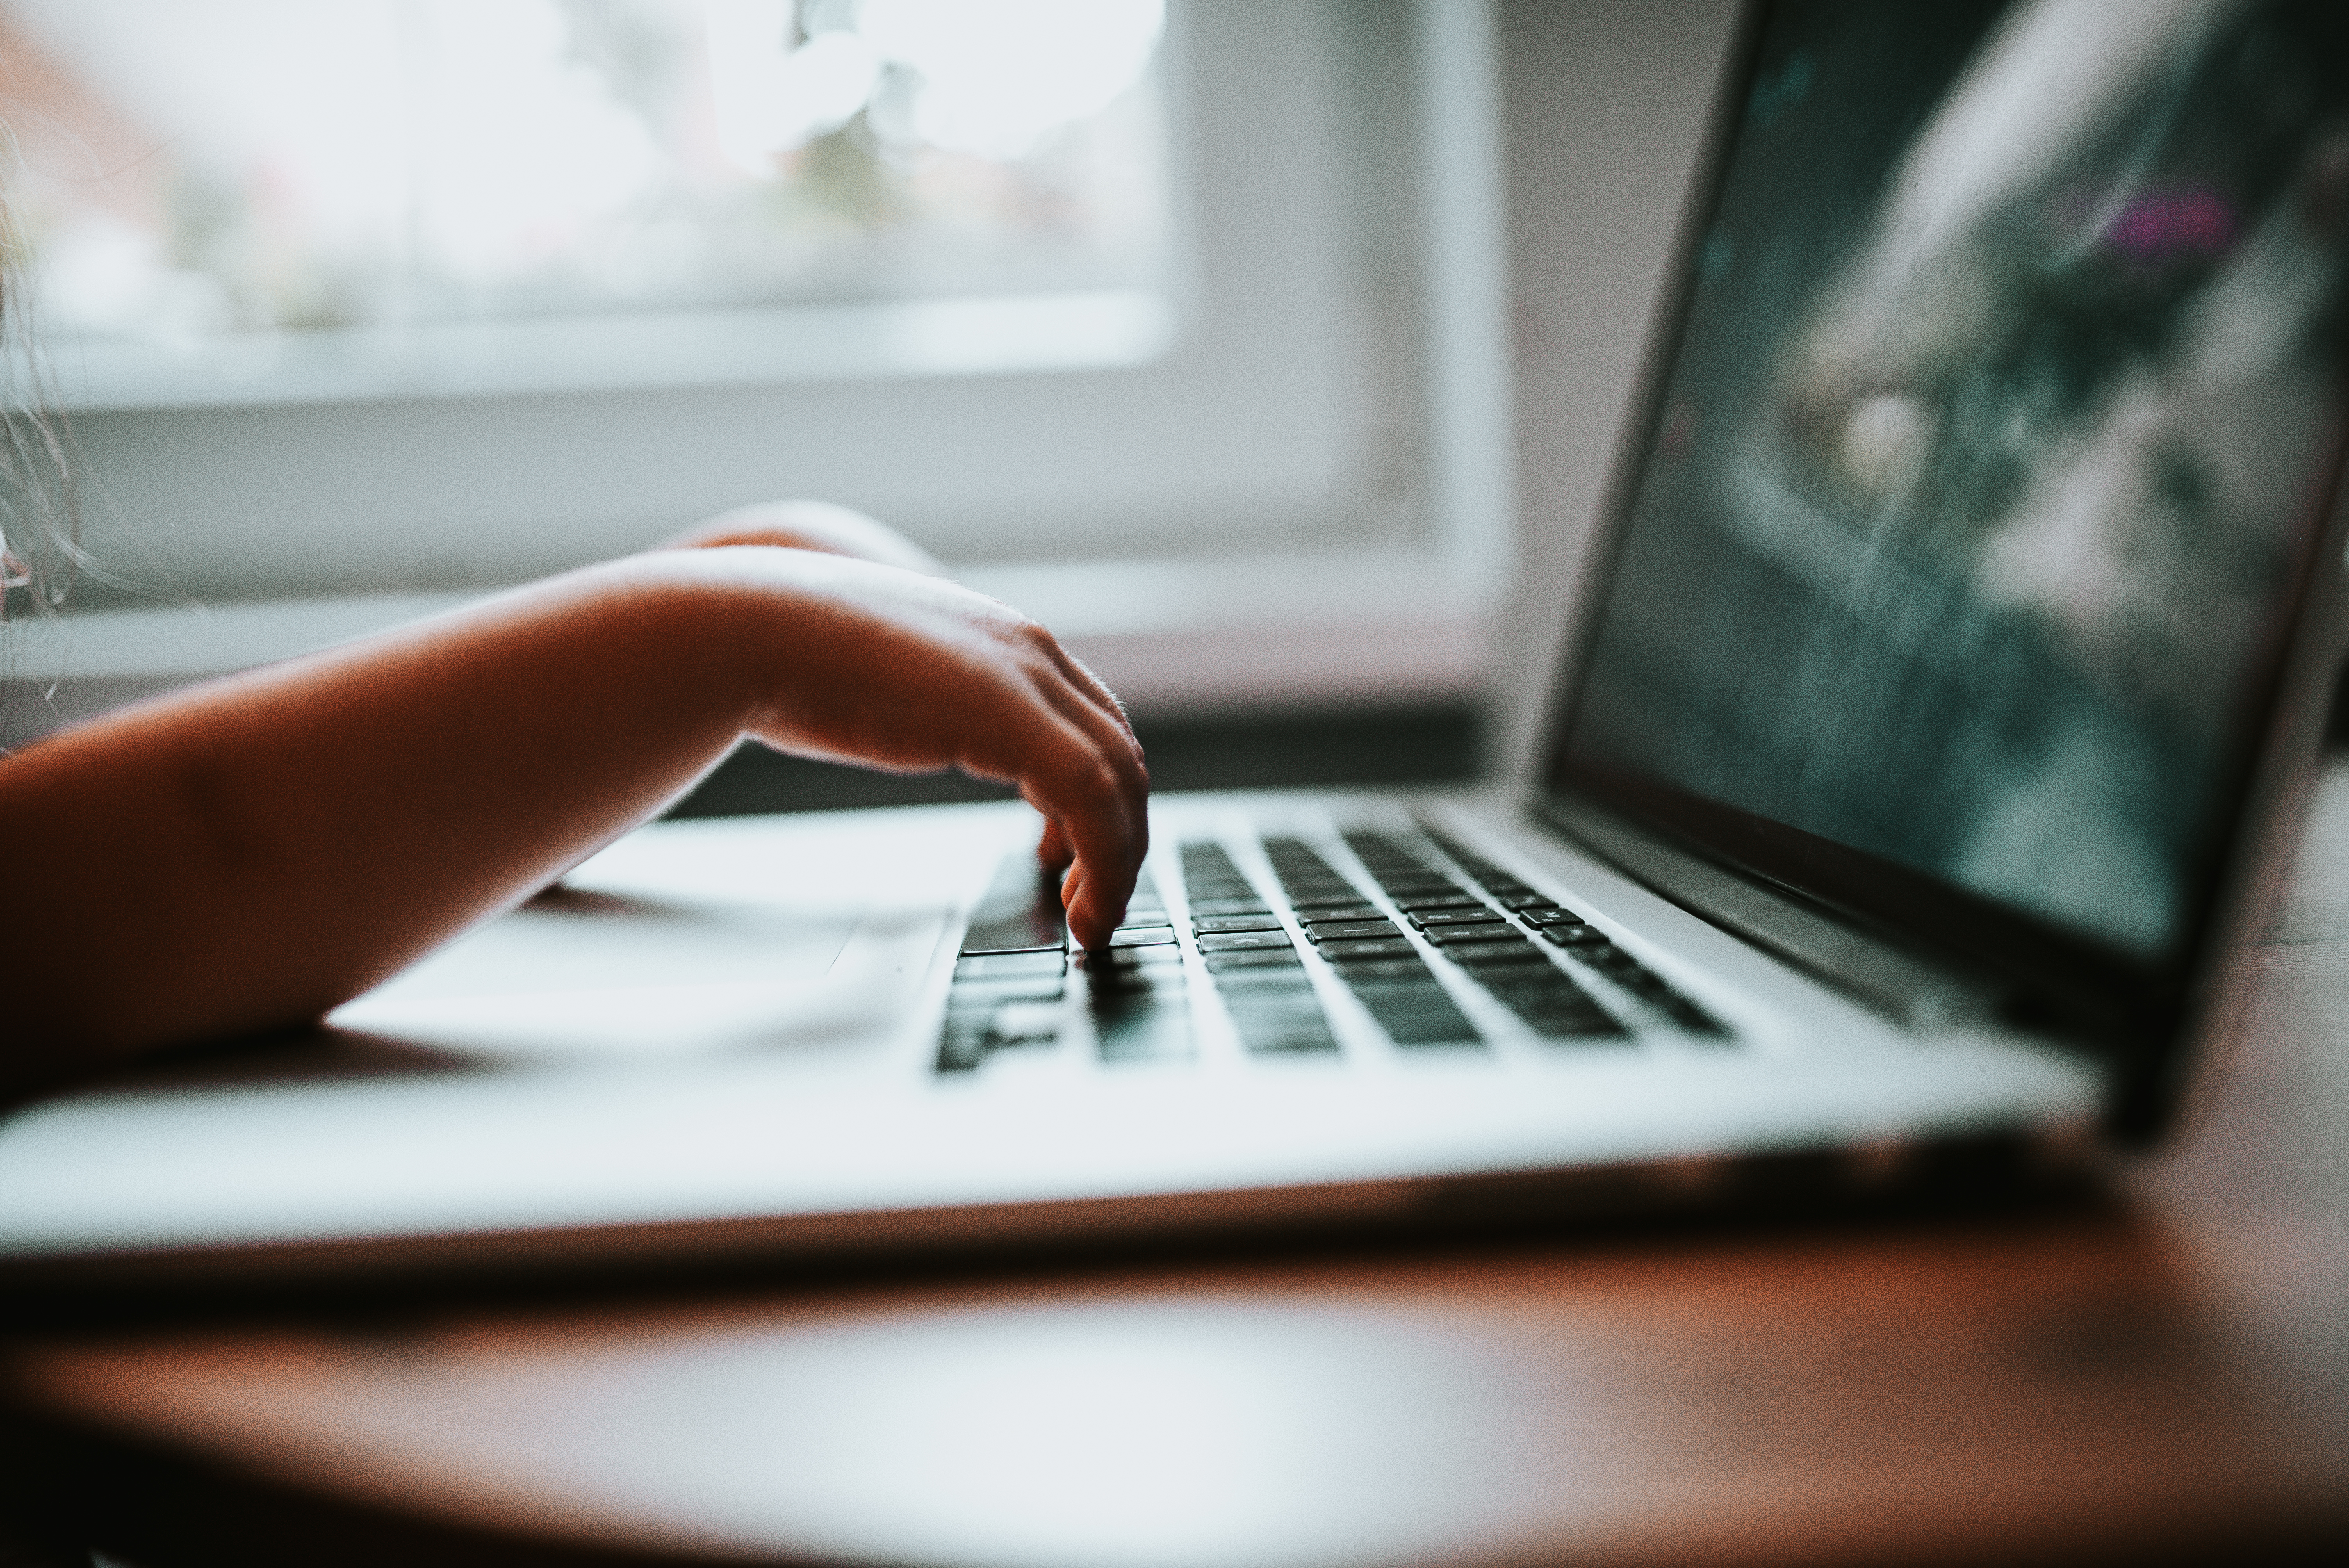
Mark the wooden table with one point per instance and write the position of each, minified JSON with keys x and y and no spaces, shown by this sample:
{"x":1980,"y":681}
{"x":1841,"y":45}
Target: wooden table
{"x":2164,"y":1373}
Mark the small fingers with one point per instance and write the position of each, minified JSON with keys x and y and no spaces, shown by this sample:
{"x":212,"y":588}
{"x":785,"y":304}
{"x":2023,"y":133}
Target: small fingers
{"x":1080,"y":699}
{"x":1097,"y":809}
{"x":1108,"y":732}
{"x":1052,"y":849}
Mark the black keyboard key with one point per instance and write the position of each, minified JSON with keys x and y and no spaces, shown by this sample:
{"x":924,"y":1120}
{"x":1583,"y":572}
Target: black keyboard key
{"x":981,"y":1019}
{"x":1316,"y":904}
{"x":1137,"y":979}
{"x":1259,"y":958}
{"x":1250,"y":905}
{"x":1469,"y":914}
{"x":1527,"y":899}
{"x":1357,"y":971}
{"x":1418,"y":1005}
{"x":1261,"y":977}
{"x":1590,"y":1026}
{"x":1577,"y":937}
{"x":1209,"y":925}
{"x":1548,"y":917}
{"x":1451,"y":937}
{"x":1113,"y":1003}
{"x":1552,"y":1004}
{"x":1009,"y":966}
{"x":1344,"y":930}
{"x":1026,"y":1023}
{"x":987,"y":992}
{"x":1401,"y":882}
{"x":1020,"y":911}
{"x":1533,"y":978}
{"x":1268,"y":1008}
{"x":1129,"y":957}
{"x":1022,"y":935}
{"x":1385,"y":856}
{"x":1287,"y":1038}
{"x":961,"y":1052}
{"x":1243,"y":941}
{"x":1391,"y":947}
{"x":1413,"y":983}
{"x":1549,"y":1000}
{"x":1559,"y":1016}
{"x":1448,"y":1028}
{"x":1516,"y":951}
{"x":1142,"y":936}
{"x":1159,"y":1035}
{"x":1416,"y":903}
{"x":1653,"y":989}
{"x":1355,"y":910}
{"x":1130,"y":988}
{"x":1393,"y":1002}
{"x":1692,"y":1018}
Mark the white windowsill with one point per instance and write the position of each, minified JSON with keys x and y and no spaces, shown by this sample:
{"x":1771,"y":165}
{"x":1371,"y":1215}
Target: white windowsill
{"x":627,"y":351}
{"x":1232,"y":633}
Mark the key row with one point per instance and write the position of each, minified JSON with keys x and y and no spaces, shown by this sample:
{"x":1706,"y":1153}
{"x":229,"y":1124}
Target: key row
{"x":1258,"y":973}
{"x":1565,"y":929}
{"x":1363,"y":947}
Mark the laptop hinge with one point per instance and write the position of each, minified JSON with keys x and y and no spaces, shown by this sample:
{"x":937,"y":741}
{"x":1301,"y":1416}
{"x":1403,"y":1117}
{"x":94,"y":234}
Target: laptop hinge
{"x":1907,"y":988}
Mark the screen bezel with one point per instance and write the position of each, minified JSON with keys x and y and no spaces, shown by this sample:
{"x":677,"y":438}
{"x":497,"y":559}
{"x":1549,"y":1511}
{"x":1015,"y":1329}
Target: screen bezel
{"x":2133,"y":1010}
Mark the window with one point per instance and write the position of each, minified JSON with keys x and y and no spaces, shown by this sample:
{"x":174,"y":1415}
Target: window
{"x":268,"y":201}
{"x":1239,"y":296}
{"x":228,"y":167}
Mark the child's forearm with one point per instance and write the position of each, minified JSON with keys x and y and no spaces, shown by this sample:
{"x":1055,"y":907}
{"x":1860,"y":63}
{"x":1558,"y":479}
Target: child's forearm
{"x":251,"y":852}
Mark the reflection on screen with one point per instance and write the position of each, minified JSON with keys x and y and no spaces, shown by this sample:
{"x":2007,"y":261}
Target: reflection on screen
{"x":2011,"y":383}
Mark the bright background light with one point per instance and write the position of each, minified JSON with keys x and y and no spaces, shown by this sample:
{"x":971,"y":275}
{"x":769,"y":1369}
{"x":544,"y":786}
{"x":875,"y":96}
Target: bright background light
{"x":217,"y":166}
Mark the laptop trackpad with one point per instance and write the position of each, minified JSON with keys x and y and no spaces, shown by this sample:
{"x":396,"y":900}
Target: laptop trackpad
{"x":808,"y":934}
{"x":582,"y":975}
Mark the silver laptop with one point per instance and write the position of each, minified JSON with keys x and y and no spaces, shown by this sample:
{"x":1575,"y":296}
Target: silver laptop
{"x":1935,"y":716}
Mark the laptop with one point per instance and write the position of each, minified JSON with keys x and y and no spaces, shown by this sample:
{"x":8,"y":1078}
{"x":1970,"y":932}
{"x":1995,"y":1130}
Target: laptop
{"x":1934,"y":724}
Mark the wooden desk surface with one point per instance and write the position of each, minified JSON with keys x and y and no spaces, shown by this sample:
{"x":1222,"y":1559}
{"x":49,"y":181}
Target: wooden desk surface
{"x":2164,"y":1375}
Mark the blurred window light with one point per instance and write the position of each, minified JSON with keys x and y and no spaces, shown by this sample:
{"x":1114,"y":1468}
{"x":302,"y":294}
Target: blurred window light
{"x":204,"y":170}
{"x":1036,"y":280}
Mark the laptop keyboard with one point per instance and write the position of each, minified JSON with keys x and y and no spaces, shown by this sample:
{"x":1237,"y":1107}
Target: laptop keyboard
{"x":1431,"y":903}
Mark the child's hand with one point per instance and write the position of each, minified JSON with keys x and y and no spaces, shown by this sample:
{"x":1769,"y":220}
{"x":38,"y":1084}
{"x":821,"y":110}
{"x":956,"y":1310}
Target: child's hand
{"x":821,"y":526}
{"x":257,"y":849}
{"x":808,"y":525}
{"x":876,"y":666}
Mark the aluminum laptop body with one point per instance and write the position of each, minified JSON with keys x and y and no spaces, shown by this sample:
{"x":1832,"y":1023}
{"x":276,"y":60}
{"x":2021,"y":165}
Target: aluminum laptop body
{"x":1934,"y":722}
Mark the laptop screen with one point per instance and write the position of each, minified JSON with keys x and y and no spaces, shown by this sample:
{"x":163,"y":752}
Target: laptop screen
{"x":2005,"y":404}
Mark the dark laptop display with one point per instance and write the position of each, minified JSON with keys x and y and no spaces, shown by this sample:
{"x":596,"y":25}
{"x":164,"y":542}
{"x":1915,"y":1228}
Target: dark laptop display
{"x":2004,"y":410}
